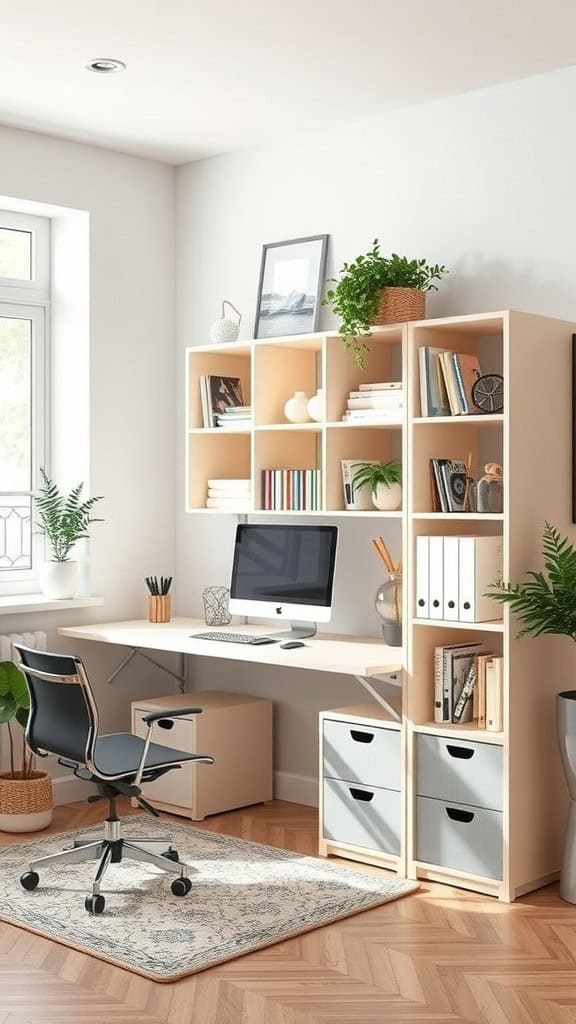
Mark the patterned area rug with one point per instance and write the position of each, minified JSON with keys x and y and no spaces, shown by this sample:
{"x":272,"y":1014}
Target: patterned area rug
{"x":244,"y":896}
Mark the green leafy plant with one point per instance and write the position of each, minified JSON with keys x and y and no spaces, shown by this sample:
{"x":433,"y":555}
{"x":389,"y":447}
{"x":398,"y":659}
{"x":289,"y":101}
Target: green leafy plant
{"x":371,"y":474}
{"x":14,"y":707}
{"x":63,"y":519}
{"x":356,"y":297}
{"x":546,"y":601}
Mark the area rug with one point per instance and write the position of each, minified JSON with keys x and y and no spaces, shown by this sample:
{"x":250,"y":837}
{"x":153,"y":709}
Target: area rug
{"x":244,"y":896}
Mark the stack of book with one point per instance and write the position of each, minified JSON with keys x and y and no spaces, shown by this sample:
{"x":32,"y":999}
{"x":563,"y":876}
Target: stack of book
{"x":222,"y":399}
{"x":234,"y":416}
{"x":234,"y":495}
{"x":375,"y":403}
{"x":468,"y":686}
{"x":446,"y":382}
{"x":291,"y":490}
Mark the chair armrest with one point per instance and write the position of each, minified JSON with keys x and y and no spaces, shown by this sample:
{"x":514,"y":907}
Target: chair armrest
{"x":155,"y":716}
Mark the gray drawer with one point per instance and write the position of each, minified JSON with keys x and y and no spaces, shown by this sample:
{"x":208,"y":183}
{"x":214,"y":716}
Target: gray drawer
{"x":460,"y":837}
{"x":362,"y":753}
{"x":371,"y":818}
{"x":454,"y":770}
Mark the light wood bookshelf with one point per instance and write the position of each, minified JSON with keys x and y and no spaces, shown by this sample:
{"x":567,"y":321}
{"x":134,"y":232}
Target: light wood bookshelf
{"x":531,"y":439}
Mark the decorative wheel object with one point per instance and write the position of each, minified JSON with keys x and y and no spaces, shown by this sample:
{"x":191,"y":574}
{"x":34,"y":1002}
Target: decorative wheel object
{"x":95,"y":904}
{"x":171,"y":855}
{"x":181,"y":886}
{"x":488,"y":392}
{"x":29,"y":880}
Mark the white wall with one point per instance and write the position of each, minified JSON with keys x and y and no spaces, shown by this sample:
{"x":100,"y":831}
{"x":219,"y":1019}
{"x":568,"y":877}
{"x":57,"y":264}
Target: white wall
{"x":130,"y":203}
{"x":483,"y":183}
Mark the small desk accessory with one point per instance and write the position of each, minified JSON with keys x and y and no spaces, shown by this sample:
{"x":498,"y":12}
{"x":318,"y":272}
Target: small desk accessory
{"x":388,"y":600}
{"x":215,"y":600}
{"x":159,"y":598}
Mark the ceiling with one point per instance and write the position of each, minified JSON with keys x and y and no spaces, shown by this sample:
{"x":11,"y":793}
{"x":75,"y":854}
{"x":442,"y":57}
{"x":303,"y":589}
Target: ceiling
{"x":210,"y":76}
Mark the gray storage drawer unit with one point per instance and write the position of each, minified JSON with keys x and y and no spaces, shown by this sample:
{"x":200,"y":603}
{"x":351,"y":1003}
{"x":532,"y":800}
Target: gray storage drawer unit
{"x":365,"y":754}
{"x":460,"y":837}
{"x":362,"y":816}
{"x":458,"y":771}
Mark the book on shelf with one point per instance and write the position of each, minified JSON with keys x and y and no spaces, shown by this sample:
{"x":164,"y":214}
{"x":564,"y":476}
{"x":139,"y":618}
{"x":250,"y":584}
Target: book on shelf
{"x":373,"y":416}
{"x":291,"y":490}
{"x":231,"y":484}
{"x":449,"y":485}
{"x":446,"y":382}
{"x":494,"y":695}
{"x":356,"y":499}
{"x":383,"y":400}
{"x":218,"y":395}
{"x":237,"y":504}
{"x":390,"y":385}
{"x":452,"y":665}
{"x":433,"y":396}
{"x":479,"y":710}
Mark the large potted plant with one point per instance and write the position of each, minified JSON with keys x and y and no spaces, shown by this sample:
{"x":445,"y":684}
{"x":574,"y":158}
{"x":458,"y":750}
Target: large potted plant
{"x":546,"y":603}
{"x":376,"y":289}
{"x":63,"y":520}
{"x":25,"y":794}
{"x":384,"y":479}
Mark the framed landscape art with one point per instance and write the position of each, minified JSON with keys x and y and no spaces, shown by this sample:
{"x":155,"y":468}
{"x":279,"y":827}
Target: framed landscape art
{"x":292,"y":277}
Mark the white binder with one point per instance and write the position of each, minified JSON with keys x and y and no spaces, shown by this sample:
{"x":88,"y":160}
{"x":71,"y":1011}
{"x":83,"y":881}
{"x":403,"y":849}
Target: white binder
{"x":480,"y":565}
{"x":436,"y":578}
{"x":451,"y":563}
{"x":422,"y":578}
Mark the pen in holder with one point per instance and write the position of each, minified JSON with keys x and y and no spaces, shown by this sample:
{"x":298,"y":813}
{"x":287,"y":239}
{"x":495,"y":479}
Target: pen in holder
{"x":159,"y":598}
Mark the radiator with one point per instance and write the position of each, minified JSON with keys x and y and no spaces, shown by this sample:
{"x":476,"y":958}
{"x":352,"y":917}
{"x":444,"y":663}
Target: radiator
{"x":7,"y":641}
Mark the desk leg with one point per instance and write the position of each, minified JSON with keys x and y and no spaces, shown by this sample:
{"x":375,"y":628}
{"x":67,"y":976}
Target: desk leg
{"x":392,"y":711}
{"x":179,"y":675}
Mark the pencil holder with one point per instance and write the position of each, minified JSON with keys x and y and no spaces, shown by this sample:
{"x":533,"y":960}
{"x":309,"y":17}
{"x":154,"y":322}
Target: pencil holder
{"x":159,"y":608}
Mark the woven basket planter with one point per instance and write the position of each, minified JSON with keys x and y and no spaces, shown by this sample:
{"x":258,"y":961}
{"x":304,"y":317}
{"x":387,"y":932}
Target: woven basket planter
{"x":400,"y":304}
{"x":25,"y":804}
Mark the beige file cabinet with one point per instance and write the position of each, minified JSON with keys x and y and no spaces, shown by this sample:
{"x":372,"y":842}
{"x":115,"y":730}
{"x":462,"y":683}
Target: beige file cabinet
{"x":235,"y":729}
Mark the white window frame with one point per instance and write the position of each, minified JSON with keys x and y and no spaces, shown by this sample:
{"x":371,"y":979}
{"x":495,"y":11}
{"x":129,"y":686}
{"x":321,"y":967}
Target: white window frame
{"x":30,"y":300}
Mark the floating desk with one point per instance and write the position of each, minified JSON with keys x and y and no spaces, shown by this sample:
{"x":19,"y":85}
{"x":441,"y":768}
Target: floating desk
{"x":365,"y":658}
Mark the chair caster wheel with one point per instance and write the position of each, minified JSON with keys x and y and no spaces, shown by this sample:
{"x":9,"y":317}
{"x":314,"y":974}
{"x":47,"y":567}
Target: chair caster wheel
{"x":29,"y":880}
{"x":171,"y":855}
{"x":181,"y":886}
{"x":95,"y":904}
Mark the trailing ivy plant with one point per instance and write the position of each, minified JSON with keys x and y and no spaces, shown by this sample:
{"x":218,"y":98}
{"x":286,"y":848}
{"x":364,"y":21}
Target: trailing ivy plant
{"x":63,"y":519}
{"x":371,"y":474}
{"x":356,"y":295}
{"x":546,"y":601}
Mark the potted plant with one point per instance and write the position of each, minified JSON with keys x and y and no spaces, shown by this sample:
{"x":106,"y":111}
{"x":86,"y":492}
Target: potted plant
{"x":546,"y":603}
{"x":376,"y":289}
{"x":63,"y":520}
{"x":385,"y":482}
{"x":25,"y":794}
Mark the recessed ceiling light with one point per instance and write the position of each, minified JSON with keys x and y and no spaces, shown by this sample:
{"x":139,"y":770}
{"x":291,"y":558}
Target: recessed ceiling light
{"x":105,"y":66}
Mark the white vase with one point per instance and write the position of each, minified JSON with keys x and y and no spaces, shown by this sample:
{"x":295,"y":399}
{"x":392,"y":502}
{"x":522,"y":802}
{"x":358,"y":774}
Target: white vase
{"x":316,"y":406}
{"x":296,"y":408}
{"x":59,"y":580}
{"x":388,"y":497}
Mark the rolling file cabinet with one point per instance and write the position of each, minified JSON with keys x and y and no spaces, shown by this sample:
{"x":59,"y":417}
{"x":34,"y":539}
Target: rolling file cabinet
{"x":361,"y":804}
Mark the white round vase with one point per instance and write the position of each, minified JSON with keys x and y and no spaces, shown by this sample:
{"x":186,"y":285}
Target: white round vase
{"x":388,"y":497}
{"x":59,"y":580}
{"x":296,"y":408}
{"x":316,"y":406}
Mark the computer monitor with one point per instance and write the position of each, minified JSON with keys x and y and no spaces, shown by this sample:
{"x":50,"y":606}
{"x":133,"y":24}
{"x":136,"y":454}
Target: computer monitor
{"x":284,"y":572}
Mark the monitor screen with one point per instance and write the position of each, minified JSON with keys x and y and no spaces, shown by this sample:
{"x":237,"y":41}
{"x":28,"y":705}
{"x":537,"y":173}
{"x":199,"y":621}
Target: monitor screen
{"x":284,"y":564}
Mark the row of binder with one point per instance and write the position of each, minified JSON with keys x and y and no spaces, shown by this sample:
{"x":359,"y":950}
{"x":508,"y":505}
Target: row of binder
{"x":453,"y":576}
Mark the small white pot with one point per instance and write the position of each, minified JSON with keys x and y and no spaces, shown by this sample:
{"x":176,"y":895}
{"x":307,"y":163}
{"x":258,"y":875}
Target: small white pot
{"x":59,"y":580}
{"x":388,"y":497}
{"x":316,"y":406}
{"x":296,"y":408}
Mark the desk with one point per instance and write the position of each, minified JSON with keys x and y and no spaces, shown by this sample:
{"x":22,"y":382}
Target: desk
{"x":365,"y":658}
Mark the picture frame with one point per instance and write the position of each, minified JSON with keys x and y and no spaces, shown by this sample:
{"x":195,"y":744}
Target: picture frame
{"x":292,"y":276}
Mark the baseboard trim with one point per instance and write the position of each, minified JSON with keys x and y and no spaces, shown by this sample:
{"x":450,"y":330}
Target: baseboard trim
{"x":67,"y":789}
{"x":296,"y":789}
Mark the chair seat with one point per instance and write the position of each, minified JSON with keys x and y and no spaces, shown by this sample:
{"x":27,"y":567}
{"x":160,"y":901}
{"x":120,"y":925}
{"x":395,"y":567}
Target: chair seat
{"x":120,"y":753}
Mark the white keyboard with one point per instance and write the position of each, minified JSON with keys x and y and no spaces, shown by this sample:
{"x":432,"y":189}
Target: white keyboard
{"x":233,"y":638}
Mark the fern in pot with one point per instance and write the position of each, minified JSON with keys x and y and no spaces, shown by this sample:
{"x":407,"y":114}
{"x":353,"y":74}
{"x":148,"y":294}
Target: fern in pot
{"x":25,"y":793}
{"x":384,"y":480}
{"x":63,"y":520}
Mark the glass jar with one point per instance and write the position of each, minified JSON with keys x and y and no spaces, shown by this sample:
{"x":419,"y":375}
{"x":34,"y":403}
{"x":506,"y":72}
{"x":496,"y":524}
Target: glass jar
{"x":487,"y":493}
{"x":388,"y":604}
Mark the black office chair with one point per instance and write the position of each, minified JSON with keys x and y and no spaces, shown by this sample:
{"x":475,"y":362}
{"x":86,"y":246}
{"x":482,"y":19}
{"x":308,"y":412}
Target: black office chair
{"x":63,"y":720}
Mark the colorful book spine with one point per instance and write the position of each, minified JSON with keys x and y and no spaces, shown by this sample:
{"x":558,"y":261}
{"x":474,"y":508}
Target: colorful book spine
{"x":291,"y":490}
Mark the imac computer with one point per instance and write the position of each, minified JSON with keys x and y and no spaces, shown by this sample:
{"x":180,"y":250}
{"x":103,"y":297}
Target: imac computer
{"x":284,"y":573}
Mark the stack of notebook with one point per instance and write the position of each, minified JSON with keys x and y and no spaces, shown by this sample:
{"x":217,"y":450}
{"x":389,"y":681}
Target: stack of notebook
{"x":375,"y":403}
{"x":234,"y":416}
{"x":235,"y":495}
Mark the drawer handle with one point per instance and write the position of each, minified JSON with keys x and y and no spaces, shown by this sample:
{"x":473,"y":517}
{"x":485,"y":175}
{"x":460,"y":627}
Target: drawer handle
{"x":361,"y":794}
{"x":456,"y":815}
{"x":464,"y":752}
{"x":361,"y":737}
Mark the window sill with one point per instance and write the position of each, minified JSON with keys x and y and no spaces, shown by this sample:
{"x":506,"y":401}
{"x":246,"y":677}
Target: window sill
{"x":24,"y":603}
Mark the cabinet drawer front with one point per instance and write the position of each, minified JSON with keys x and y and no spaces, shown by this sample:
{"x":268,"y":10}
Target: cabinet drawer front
{"x":362,"y":753}
{"x":461,"y":837}
{"x":467,"y":773}
{"x":365,"y":817}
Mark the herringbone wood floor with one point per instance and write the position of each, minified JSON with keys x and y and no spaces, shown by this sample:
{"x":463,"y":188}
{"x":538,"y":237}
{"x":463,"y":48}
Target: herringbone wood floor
{"x":441,"y":956}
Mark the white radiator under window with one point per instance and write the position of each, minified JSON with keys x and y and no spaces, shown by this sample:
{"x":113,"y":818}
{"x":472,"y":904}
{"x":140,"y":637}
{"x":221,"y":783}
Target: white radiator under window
{"x":7,"y":641}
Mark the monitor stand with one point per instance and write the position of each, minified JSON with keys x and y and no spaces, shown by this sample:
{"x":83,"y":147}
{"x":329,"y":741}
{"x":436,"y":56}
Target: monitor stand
{"x":297,"y":631}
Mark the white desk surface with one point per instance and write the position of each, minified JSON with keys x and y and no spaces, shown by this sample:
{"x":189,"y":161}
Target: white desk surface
{"x":356,"y":656}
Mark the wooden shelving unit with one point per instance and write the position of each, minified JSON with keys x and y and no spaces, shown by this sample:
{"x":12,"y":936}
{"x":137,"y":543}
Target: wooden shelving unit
{"x":531,"y":440}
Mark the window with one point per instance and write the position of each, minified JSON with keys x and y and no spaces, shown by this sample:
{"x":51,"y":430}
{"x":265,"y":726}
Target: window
{"x":24,"y":295}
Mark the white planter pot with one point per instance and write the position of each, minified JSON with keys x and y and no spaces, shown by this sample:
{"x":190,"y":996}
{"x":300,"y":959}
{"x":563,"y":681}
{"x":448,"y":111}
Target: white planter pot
{"x":33,"y":822}
{"x":388,"y":497}
{"x":59,"y":580}
{"x":296,"y":408}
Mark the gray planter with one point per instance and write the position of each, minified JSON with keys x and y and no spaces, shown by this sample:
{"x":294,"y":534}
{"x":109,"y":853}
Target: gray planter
{"x":566,"y":726}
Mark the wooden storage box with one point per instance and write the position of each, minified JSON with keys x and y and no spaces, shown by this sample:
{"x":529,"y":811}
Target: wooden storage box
{"x":233,"y":728}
